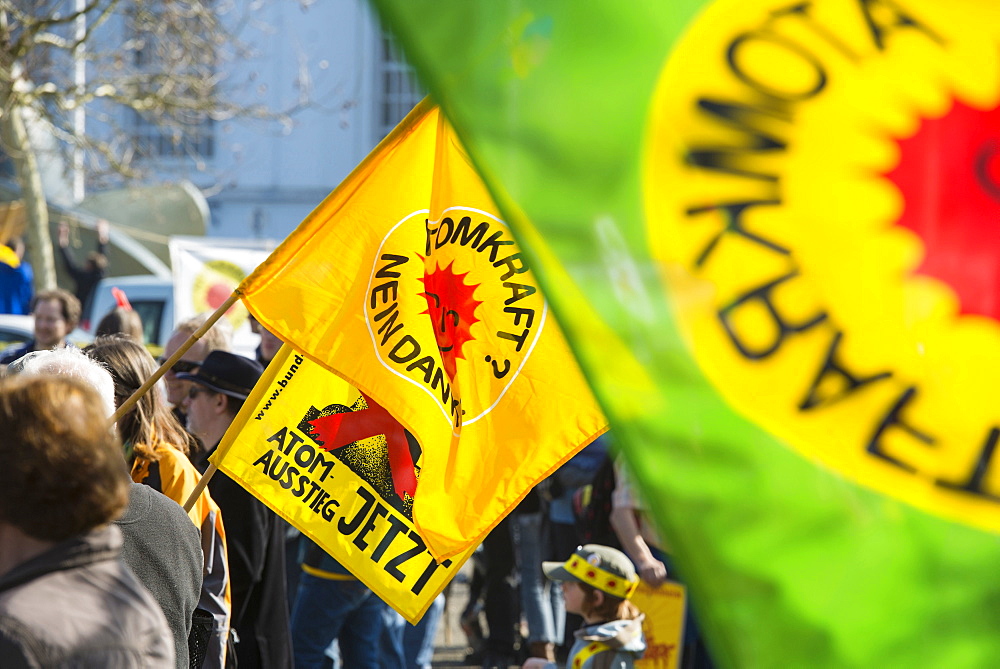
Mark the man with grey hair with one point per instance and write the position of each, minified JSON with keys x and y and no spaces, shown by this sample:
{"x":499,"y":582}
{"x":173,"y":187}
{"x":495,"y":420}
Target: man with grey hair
{"x":159,"y":543}
{"x":218,"y":338}
{"x":72,"y":362}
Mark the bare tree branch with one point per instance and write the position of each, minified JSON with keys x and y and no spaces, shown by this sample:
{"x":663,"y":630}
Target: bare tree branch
{"x":158,"y":78}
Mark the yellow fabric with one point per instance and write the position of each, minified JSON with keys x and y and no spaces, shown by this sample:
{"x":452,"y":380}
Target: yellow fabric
{"x":829,"y":334}
{"x":178,"y":477}
{"x":328,"y":575}
{"x":662,"y":624}
{"x":340,"y":497}
{"x":588,"y":652}
{"x":601,"y":579}
{"x":406,"y":282}
{"x":8,"y":257}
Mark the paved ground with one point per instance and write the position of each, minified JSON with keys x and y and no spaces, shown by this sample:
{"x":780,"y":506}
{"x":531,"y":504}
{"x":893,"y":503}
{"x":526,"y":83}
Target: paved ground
{"x":450,"y":647}
{"x":450,"y":644}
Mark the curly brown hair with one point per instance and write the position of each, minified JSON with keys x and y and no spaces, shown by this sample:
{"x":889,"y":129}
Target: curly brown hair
{"x":68,"y":304}
{"x":62,"y":470}
{"x":610,"y":608}
{"x":150,"y":422}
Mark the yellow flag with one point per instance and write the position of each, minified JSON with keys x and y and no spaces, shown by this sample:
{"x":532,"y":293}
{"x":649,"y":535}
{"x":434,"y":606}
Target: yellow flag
{"x":407,"y":283}
{"x":282,"y":448}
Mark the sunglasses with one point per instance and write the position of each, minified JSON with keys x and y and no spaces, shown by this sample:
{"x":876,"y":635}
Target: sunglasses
{"x":194,"y":391}
{"x":181,"y":366}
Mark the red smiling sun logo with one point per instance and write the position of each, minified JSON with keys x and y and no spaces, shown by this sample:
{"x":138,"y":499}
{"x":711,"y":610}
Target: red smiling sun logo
{"x":949,"y":177}
{"x":451,"y":305}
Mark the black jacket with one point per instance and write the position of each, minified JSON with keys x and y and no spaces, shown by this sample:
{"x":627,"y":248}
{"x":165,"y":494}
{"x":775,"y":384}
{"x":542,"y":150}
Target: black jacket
{"x":85,"y":279}
{"x":256,"y":538}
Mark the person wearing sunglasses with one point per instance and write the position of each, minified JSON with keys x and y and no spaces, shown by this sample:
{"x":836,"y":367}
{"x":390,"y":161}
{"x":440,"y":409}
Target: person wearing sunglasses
{"x":218,"y":338}
{"x":255,"y":534}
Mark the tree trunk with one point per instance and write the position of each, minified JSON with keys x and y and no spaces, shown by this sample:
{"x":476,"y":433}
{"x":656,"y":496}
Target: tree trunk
{"x":39,"y":241}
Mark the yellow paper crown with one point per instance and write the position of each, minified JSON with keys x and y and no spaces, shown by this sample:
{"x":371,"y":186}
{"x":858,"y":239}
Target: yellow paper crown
{"x":602,"y":579}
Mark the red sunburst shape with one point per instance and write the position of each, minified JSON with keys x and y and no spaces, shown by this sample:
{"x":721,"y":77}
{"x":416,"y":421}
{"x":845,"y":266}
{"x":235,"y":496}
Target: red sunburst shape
{"x":451,"y":305}
{"x":949,"y":176}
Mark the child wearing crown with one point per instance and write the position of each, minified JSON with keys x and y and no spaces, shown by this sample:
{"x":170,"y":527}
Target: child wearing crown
{"x":597,"y":582}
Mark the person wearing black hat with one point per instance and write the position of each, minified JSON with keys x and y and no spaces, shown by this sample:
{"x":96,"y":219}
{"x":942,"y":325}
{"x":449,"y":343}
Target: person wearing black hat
{"x":255,"y":535}
{"x":597,"y":583}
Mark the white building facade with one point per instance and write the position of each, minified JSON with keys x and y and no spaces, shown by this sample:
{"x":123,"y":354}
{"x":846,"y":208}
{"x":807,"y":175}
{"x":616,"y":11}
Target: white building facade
{"x":329,"y":63}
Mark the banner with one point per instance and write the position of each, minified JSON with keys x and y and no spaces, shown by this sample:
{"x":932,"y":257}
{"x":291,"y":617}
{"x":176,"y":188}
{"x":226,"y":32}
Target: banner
{"x":782,"y":213}
{"x":663,"y":625}
{"x":206,"y":271}
{"x":338,"y":493}
{"x":407,"y":283}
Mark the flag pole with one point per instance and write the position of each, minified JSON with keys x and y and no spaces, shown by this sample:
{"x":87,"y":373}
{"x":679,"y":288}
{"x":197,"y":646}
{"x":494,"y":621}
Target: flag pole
{"x":198,"y":334}
{"x":151,"y":381}
{"x":201,"y":485}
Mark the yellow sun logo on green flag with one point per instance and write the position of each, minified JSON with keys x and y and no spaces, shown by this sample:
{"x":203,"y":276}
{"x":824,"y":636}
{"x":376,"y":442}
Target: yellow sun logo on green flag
{"x":838,"y":276}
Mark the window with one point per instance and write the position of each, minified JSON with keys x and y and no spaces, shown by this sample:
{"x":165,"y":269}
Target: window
{"x":192,"y":139}
{"x":164,"y":48}
{"x":399,"y":88}
{"x":151,"y":313}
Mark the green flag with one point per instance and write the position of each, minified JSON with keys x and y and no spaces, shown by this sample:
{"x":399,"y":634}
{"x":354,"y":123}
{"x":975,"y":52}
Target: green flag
{"x":766,"y":229}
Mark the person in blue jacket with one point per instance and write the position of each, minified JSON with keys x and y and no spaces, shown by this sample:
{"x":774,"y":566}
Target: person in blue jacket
{"x":16,"y":278}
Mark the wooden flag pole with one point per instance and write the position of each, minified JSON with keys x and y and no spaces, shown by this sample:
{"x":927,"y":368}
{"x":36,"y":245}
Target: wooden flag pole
{"x":151,"y":381}
{"x":201,"y":485}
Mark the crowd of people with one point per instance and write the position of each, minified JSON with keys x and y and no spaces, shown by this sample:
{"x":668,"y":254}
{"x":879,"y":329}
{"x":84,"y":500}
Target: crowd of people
{"x":229,"y":583}
{"x":226,"y":578}
{"x":516,"y":611}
